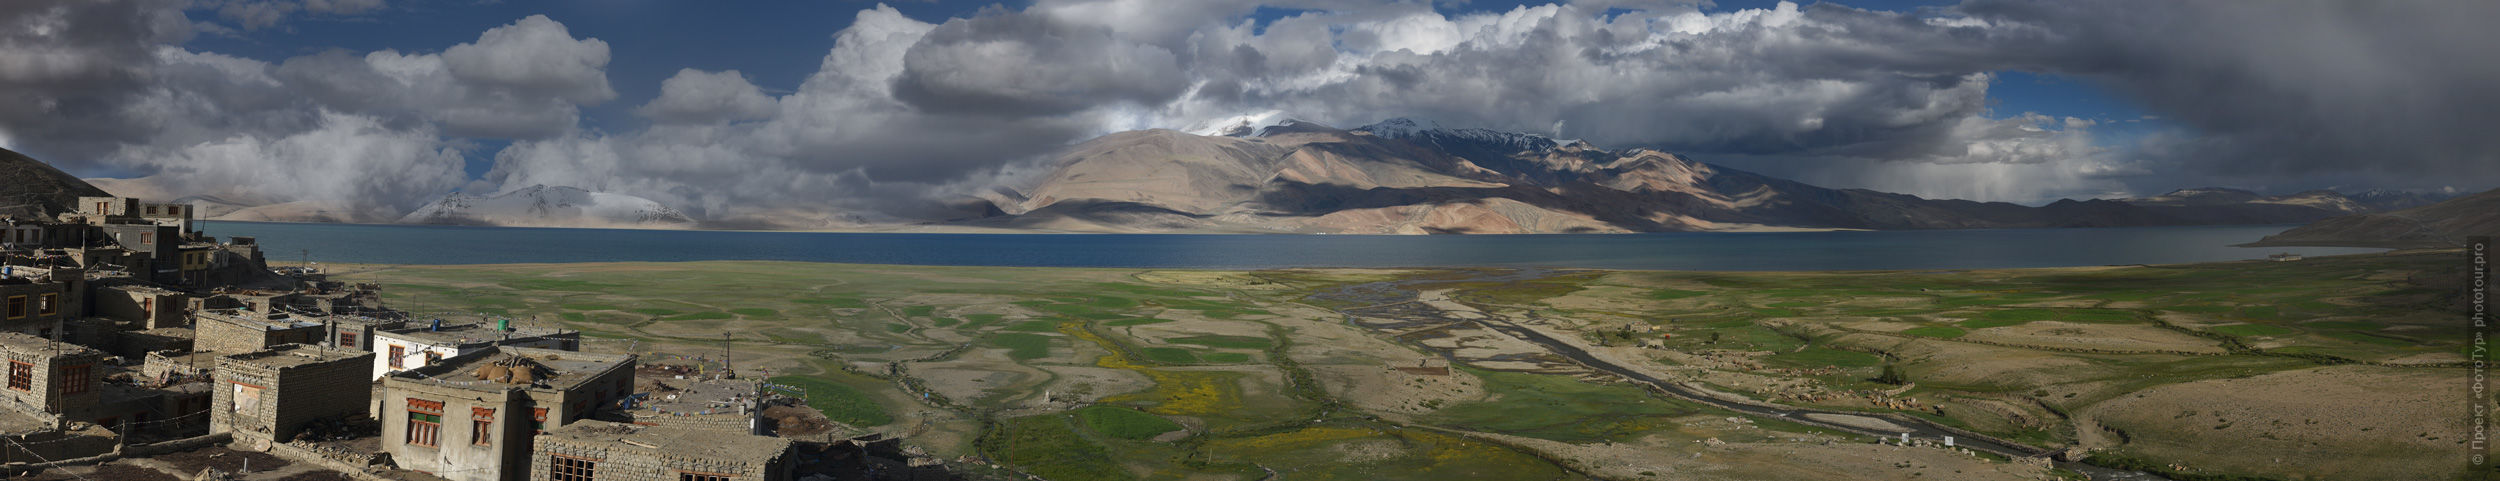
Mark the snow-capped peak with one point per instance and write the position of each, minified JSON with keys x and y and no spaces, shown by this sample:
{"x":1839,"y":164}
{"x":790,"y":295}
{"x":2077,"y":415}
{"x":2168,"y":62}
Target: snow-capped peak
{"x":1240,"y":125}
{"x":1399,"y":128}
{"x":1429,"y":131}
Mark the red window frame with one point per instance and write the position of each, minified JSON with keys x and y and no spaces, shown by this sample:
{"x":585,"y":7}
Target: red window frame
{"x":568,"y":468}
{"x":75,"y":379}
{"x":425,"y":422}
{"x":21,"y":376}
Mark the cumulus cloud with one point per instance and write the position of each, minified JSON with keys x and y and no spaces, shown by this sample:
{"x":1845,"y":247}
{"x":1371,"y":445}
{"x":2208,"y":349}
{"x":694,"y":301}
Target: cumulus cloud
{"x":2266,"y":95}
{"x":105,"y":86}
{"x":527,"y":79}
{"x":695,"y":96}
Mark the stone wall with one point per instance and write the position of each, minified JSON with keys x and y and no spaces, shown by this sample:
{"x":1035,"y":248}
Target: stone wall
{"x":730,"y":423}
{"x":616,"y":461}
{"x":289,"y":395}
{"x":45,"y":392}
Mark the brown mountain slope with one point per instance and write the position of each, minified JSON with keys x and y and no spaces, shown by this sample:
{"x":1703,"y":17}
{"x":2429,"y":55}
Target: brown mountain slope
{"x":31,"y":188}
{"x":1406,"y":177}
{"x":2445,"y":224}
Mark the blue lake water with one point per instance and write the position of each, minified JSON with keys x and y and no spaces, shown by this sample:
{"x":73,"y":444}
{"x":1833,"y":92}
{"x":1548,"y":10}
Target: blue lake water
{"x":1924,"y":249}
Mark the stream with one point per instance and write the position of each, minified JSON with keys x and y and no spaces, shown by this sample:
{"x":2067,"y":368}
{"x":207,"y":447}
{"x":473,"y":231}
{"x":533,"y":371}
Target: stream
{"x":1376,"y":294}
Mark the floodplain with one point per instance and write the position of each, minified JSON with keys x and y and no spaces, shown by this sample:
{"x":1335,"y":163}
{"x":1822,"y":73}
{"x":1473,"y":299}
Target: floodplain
{"x":2340,"y":367}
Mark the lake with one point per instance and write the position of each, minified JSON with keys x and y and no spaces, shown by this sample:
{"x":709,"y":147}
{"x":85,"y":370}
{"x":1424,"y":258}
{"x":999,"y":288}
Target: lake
{"x":1922,"y":249}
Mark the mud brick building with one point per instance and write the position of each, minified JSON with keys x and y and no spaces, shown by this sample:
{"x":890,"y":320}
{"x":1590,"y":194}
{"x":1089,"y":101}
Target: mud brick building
{"x":236,"y":332}
{"x":472,"y":417}
{"x":49,"y":377}
{"x":269,"y":395}
{"x":605,"y":451}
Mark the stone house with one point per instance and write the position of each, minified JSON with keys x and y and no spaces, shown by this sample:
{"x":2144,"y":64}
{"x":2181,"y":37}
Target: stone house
{"x":236,"y":332}
{"x":267,"y":396}
{"x":36,"y":305}
{"x":472,"y":417}
{"x":605,"y":451}
{"x":49,"y":377}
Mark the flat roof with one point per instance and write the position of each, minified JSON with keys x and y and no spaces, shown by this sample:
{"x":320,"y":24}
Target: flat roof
{"x":291,"y":355}
{"x":563,"y":370}
{"x":23,"y":342}
{"x":670,"y":440}
{"x":423,"y":331}
{"x":248,"y":319}
{"x":695,"y":396}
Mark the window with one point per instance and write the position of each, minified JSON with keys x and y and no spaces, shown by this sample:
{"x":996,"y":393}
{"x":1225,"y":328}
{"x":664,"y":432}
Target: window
{"x":21,"y":376}
{"x":17,"y":307}
{"x":432,"y":357}
{"x":570,"y":468}
{"x":693,"y":476}
{"x":481,"y":426}
{"x":347,"y":339}
{"x":398,"y":356}
{"x":147,"y":237}
{"x":425,"y":422}
{"x":74,"y":379}
{"x":151,"y":210}
{"x":51,"y":305}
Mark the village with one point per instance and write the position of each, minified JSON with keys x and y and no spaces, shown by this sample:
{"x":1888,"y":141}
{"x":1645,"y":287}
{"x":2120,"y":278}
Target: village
{"x":140,"y":347}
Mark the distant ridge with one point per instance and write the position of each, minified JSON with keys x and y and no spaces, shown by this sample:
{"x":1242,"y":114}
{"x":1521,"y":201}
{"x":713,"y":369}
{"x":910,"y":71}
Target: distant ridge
{"x":2445,"y":224}
{"x":32,"y":188}
{"x":1273,"y":173}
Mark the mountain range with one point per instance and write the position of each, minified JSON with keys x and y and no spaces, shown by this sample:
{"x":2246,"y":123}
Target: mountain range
{"x":2440,"y":225}
{"x":1399,"y":176}
{"x":1405,"y":176}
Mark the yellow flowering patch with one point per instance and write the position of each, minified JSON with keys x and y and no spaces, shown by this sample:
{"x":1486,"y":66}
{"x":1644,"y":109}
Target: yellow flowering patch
{"x":1175,"y":392}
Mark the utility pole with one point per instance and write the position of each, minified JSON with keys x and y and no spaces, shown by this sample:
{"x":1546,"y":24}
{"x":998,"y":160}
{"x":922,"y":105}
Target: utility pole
{"x":724,"y":353}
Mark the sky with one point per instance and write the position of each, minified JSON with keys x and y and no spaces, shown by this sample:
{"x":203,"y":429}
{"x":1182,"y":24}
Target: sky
{"x":885,"y":109}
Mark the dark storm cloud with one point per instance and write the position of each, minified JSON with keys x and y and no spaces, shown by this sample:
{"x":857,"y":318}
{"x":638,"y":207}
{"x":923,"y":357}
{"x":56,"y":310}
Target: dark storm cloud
{"x":2291,"y":93}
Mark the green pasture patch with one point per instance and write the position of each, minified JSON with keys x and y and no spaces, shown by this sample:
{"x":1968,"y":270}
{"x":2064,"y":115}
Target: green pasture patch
{"x":1230,"y":342}
{"x":2367,"y":338}
{"x":1561,"y":408}
{"x":840,"y":402}
{"x":1136,"y":322}
{"x":1124,"y":423}
{"x":1034,"y":326}
{"x":1049,"y":446}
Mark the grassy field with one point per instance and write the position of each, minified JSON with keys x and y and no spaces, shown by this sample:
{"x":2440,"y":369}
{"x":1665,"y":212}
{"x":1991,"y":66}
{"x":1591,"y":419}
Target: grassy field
{"x":1234,"y":375}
